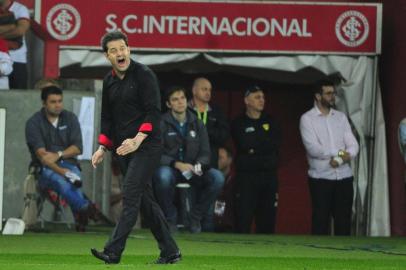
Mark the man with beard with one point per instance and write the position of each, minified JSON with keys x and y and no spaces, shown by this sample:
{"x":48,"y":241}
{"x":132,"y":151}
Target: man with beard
{"x":130,"y":117}
{"x":54,"y":139}
{"x":330,"y":146}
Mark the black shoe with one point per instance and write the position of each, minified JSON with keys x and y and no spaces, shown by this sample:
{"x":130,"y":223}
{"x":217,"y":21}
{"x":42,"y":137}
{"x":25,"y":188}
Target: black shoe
{"x":81,"y":220}
{"x":174,"y":258}
{"x":92,"y":212}
{"x":109,"y":258}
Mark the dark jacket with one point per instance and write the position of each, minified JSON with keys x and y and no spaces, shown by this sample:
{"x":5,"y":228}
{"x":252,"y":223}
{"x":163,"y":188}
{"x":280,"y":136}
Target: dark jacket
{"x":218,"y":130}
{"x":257,"y":143}
{"x":130,"y":105}
{"x":40,"y":133}
{"x":195,"y":144}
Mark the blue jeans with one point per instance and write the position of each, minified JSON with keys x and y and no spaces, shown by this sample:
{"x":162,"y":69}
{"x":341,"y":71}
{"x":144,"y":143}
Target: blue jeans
{"x":205,"y":190}
{"x":51,"y":180}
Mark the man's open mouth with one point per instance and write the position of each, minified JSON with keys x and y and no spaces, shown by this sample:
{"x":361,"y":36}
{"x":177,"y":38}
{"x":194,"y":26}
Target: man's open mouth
{"x":121,"y":61}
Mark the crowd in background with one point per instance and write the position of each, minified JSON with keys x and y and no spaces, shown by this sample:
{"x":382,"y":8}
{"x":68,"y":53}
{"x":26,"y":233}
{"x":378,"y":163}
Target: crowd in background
{"x":238,"y":189}
{"x":230,"y":168}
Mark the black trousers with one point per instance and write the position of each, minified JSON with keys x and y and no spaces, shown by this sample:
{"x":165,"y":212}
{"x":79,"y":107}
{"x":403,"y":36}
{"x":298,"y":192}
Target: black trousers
{"x":138,"y":168}
{"x":255,"y":199}
{"x":18,"y":78}
{"x":331,"y":199}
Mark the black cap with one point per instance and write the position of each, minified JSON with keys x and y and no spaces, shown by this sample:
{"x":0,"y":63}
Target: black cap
{"x":252,"y":89}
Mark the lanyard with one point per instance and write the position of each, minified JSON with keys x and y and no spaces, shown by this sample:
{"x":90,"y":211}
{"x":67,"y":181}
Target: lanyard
{"x":202,"y":116}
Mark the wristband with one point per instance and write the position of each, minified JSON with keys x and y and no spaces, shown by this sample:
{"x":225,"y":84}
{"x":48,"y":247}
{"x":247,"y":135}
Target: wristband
{"x":60,"y":154}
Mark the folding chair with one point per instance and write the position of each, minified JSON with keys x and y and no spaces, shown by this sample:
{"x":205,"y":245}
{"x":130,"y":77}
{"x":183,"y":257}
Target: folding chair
{"x":58,"y":204}
{"x":184,"y":204}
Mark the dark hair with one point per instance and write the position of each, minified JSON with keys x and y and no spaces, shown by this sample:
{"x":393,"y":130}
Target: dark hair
{"x":318,"y":86}
{"x":50,"y":90}
{"x":111,"y":36}
{"x":169,"y":92}
{"x":252,"y":89}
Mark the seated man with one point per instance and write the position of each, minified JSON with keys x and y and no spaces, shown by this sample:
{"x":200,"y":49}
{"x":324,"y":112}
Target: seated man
{"x":54,"y":139}
{"x":186,"y":157}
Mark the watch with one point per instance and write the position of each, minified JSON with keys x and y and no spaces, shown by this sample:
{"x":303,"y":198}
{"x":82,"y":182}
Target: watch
{"x":60,"y":154}
{"x":102,"y":147}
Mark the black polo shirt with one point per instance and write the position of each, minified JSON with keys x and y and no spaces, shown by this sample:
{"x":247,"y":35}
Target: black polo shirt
{"x":40,"y":133}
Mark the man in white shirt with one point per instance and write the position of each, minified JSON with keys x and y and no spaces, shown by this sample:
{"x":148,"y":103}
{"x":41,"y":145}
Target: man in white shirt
{"x":13,"y":31}
{"x":330,"y":146}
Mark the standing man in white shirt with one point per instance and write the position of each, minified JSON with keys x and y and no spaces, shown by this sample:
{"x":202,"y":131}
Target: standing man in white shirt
{"x":330,"y":146}
{"x":13,"y":31}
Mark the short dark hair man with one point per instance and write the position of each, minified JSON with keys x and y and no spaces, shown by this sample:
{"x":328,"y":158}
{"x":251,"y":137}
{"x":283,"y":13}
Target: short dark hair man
{"x":130,"y":128}
{"x":186,"y":156}
{"x":54,"y":139}
{"x":330,"y":145}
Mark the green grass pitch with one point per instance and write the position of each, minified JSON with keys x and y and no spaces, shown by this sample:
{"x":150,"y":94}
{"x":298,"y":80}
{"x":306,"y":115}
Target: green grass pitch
{"x":206,"y":251}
